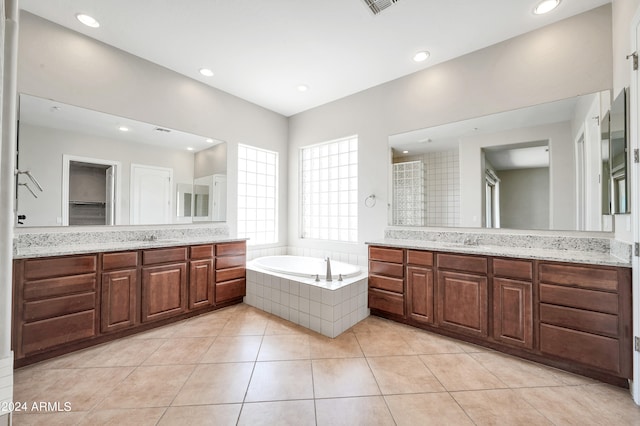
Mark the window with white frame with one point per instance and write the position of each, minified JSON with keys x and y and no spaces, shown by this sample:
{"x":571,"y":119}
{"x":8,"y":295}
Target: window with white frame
{"x":257,"y":195}
{"x":329,"y":190}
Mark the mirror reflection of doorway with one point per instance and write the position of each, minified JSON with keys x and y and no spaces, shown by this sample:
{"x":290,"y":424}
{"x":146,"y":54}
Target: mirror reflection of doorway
{"x":90,"y":190}
{"x":522,"y":171}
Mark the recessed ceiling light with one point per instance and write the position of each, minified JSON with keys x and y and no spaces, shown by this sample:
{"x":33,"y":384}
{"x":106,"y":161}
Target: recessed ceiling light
{"x":206,"y":72}
{"x":189,"y":148}
{"x":123,"y":128}
{"x":302,"y":88}
{"x":421,"y":56}
{"x":89,"y":21}
{"x":208,"y":140}
{"x":546,"y":6}
{"x":405,"y":152}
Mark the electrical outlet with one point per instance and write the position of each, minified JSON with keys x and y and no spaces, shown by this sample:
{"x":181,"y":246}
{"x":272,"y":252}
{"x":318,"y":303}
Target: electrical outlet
{"x":636,"y":343}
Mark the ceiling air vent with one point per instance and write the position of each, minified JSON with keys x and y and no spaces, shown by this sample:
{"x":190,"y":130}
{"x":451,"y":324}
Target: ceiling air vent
{"x":377,"y":6}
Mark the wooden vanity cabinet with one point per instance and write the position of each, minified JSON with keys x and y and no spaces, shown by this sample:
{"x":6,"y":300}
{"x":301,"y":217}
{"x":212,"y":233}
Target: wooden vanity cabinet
{"x":230,"y":272}
{"x":571,"y":316}
{"x":420,"y":286}
{"x":55,"y":302}
{"x":164,"y":283}
{"x":66,"y":303}
{"x":201,"y":276}
{"x":585,"y":316}
{"x":386,"y":280}
{"x":119,"y":292}
{"x":463,"y":294}
{"x":513,"y":302}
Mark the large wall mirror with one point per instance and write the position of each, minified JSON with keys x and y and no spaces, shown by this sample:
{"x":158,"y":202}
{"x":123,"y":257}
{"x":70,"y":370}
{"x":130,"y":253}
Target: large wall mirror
{"x":80,"y":167}
{"x":540,"y":167}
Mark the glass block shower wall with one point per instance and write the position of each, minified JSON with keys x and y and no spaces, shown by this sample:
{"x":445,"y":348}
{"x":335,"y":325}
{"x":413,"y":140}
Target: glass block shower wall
{"x":408,"y":193}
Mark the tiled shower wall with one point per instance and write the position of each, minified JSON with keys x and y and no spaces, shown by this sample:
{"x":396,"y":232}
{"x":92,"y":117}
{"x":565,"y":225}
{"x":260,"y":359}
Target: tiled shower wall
{"x":442,"y":188}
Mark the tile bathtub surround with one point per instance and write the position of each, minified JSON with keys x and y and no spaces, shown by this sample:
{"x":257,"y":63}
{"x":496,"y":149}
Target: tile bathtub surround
{"x":326,"y":310}
{"x":255,"y":368}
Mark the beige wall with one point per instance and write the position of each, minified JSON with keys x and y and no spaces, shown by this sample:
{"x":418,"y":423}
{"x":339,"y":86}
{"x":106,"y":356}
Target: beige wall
{"x":540,"y":66}
{"x":524,"y":198}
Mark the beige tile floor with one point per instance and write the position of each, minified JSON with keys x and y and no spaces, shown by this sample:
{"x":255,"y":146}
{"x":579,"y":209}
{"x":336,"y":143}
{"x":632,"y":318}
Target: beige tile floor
{"x":243,"y":366}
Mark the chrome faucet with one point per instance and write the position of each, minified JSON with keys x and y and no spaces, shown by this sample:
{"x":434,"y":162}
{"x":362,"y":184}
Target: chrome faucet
{"x":328,"y":275}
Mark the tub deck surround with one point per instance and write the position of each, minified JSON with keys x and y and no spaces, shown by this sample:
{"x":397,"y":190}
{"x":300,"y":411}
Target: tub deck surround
{"x":592,"y":248}
{"x":44,"y":242}
{"x":328,"y":308}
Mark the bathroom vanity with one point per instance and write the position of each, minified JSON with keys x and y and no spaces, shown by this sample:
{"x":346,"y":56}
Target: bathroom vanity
{"x":544,"y":305}
{"x":64,"y":302}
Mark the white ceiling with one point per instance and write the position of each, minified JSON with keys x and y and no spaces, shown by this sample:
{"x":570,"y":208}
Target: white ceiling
{"x":262,"y":50}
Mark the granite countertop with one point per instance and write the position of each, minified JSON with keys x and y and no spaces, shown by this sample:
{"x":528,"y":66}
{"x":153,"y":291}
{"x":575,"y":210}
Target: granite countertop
{"x":95,"y":247}
{"x":573,"y":256}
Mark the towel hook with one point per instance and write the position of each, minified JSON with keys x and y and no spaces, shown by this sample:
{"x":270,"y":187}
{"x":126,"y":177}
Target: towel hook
{"x":370,"y":201}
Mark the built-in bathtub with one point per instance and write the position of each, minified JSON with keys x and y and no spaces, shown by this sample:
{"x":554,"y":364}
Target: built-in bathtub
{"x":295,"y":288}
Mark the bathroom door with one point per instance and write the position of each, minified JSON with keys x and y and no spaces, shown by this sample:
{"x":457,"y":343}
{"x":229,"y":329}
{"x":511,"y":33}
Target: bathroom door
{"x":151,"y":194}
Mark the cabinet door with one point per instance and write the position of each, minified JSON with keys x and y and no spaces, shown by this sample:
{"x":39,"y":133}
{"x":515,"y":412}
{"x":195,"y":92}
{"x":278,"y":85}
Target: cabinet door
{"x":462,"y":304}
{"x":420,"y":294}
{"x":163,"y":291}
{"x":118,"y":300}
{"x":201,"y":283}
{"x":512,"y":312}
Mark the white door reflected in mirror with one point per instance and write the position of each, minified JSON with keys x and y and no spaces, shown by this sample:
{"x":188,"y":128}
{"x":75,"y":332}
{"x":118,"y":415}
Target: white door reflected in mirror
{"x":150,"y":194}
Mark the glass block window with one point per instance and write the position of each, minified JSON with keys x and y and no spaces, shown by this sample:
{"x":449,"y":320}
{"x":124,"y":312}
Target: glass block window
{"x":257,"y":195}
{"x":329,"y":190}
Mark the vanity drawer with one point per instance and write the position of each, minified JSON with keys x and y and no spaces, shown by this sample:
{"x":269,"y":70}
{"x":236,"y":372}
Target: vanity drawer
{"x":386,"y":301}
{"x":579,"y":298}
{"x":56,"y":287}
{"x":41,"y":335}
{"x":385,"y":283}
{"x":230,"y":249}
{"x":41,"y":309}
{"x":589,"y":349}
{"x":393,"y":255}
{"x":229,"y":274}
{"x":508,"y":268}
{"x":419,"y":257}
{"x":59,"y":266}
{"x":230,"y":290}
{"x":123,"y":260}
{"x":579,"y":276}
{"x":463,"y":263}
{"x":230,"y":261}
{"x":201,"y":252}
{"x":174,"y":254}
{"x":385,"y":268}
{"x":578,"y":319}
